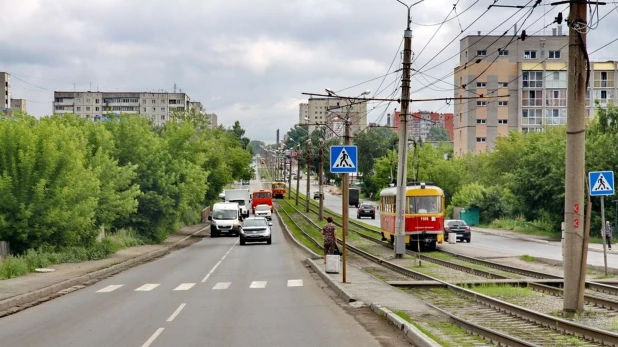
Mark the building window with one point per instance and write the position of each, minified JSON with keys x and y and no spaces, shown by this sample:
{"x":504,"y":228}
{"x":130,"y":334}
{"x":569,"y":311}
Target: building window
{"x":88,"y":108}
{"x":79,"y":108}
{"x":481,"y":103}
{"x":162,"y":101}
{"x":532,"y":98}
{"x":78,"y":100}
{"x":503,"y":52}
{"x":162,"y":117}
{"x":532,"y":79}
{"x":556,"y":79}
{"x":555,"y":116}
{"x":153,"y":101}
{"x":87,"y":101}
{"x":481,"y":139}
{"x":481,"y":52}
{"x":144,"y":109}
{"x":554,"y":54}
{"x":531,"y":117}
{"x":162,"y":108}
{"x":502,"y":121}
{"x":529,"y":54}
{"x":96,"y":101}
{"x":503,"y":84}
{"x":555,"y":97}
{"x":481,"y":121}
{"x":604,"y":79}
{"x":481,"y":84}
{"x":96,"y":108}
{"x":503,"y":103}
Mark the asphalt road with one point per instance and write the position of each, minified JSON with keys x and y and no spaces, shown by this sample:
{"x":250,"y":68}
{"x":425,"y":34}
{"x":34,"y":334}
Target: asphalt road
{"x":213,"y":293}
{"x":481,"y":243}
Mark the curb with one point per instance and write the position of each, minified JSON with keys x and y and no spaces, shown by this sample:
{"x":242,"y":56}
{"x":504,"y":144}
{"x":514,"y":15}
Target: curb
{"x":298,"y":243}
{"x":413,"y":334}
{"x":27,"y":298}
{"x":332,"y":284}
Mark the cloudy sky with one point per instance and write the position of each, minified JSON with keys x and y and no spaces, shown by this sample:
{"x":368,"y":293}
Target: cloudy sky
{"x":250,"y":60}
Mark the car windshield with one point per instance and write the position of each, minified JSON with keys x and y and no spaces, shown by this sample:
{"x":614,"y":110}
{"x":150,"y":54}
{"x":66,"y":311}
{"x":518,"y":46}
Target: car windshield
{"x":255,"y":223}
{"x":425,"y":204}
{"x":262,"y":208}
{"x":454,"y":223}
{"x":225,"y":214}
{"x":366,"y":206}
{"x":261,"y":195}
{"x":240,"y":202}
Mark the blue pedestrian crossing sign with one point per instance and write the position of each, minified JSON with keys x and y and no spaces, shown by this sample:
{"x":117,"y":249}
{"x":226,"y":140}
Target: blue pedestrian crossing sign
{"x":343,"y":159}
{"x":601,"y":183}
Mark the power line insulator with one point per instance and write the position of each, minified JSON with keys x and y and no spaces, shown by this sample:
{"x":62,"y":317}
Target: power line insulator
{"x":523,"y":35}
{"x":559,"y":18}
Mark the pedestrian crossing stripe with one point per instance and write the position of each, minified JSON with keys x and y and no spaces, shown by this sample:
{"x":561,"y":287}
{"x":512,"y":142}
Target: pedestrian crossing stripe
{"x":601,"y":184}
{"x":344,"y":161}
{"x":187,"y":286}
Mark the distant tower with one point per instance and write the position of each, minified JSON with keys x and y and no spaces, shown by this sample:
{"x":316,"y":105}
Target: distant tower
{"x":388,"y":119}
{"x":174,"y":88}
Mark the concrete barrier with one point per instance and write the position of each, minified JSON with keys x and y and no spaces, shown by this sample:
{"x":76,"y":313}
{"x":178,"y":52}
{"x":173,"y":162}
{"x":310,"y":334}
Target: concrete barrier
{"x":336,"y":287}
{"x":413,"y":334}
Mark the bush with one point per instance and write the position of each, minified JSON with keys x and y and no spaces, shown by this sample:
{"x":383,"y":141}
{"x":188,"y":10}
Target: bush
{"x":13,"y":267}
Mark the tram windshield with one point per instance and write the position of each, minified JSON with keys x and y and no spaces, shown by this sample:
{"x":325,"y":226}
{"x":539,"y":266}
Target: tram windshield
{"x":425,"y":204}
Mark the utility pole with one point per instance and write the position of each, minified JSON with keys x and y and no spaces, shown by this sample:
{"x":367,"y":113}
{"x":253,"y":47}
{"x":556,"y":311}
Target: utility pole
{"x":297,"y":174}
{"x":321,"y":174}
{"x":402,"y":165}
{"x":345,"y":200}
{"x":308,"y":175}
{"x":575,"y":160}
{"x":289,"y":157}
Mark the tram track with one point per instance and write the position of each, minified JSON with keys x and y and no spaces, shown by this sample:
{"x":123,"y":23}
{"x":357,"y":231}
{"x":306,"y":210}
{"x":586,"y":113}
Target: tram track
{"x":517,"y":326}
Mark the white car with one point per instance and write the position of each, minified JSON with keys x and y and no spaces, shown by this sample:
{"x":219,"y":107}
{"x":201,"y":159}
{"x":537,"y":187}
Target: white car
{"x":263,"y":210}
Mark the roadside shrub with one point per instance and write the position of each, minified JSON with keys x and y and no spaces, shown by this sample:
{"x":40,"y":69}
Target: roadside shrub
{"x":13,"y":267}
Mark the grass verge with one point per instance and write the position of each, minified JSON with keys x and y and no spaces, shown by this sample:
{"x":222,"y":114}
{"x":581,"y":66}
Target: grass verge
{"x":15,"y":266}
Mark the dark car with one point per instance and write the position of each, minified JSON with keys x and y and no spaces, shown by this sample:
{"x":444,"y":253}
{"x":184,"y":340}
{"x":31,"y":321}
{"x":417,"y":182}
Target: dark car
{"x":367,"y":210}
{"x":255,"y":229}
{"x":316,"y":195}
{"x":459,"y":227}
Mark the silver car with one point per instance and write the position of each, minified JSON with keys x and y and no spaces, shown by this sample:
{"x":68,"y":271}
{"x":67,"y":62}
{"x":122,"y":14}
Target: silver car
{"x":263,"y":210}
{"x":256,"y":229}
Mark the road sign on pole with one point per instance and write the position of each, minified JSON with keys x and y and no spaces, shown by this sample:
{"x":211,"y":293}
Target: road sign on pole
{"x":343,"y":159}
{"x":601,"y":183}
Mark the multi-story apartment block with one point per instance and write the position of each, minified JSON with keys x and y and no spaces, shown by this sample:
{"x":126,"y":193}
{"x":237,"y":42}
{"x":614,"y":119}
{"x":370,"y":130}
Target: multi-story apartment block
{"x":533,"y":73}
{"x":158,"y":107}
{"x":421,"y":122}
{"x":212,"y":118}
{"x":5,"y":90}
{"x":331,"y":112}
{"x":18,"y":104}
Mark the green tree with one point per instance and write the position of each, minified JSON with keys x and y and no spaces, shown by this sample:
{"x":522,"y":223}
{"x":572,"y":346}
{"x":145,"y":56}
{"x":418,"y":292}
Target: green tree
{"x":373,"y":143}
{"x":438,"y":134}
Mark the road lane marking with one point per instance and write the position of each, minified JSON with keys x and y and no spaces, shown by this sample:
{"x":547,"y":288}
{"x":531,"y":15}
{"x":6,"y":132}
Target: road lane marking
{"x":185,"y":286}
{"x":295,"y":283}
{"x":218,"y":263}
{"x":147,"y":287}
{"x":258,"y":284}
{"x":222,"y":285}
{"x":153,"y":337}
{"x":110,"y":288}
{"x":176,"y":312}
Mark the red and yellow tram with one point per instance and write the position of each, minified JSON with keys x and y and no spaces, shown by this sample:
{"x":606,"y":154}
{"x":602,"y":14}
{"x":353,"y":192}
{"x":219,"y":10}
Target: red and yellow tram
{"x":424,"y":215}
{"x":278,"y":189}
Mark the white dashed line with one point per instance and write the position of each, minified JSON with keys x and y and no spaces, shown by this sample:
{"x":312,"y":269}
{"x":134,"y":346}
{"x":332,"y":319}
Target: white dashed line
{"x":110,"y":288}
{"x":185,"y":286}
{"x":176,"y":312}
{"x":147,"y":287}
{"x":153,"y":337}
{"x":258,"y":284}
{"x":295,"y":283}
{"x":219,"y":262}
{"x":206,"y":278}
{"x":222,"y":285}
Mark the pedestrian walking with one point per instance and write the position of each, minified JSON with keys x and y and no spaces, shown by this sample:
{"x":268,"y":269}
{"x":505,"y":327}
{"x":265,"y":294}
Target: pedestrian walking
{"x":606,"y":233}
{"x":330,"y":238}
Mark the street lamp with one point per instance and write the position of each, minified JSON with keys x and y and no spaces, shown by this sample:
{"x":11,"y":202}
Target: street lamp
{"x":308,"y":175}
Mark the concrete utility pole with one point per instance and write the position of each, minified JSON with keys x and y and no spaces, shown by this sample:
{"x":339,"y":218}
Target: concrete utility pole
{"x":345,"y":200}
{"x":321,"y":174}
{"x":308,"y":175}
{"x":575,"y":160}
{"x":289,"y":157}
{"x":297,"y":174}
{"x":402,"y":165}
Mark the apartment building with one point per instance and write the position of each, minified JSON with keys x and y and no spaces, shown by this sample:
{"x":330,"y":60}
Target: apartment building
{"x":5,"y":90}
{"x":157,"y":106}
{"x":533,"y":73}
{"x":18,"y":104}
{"x":331,"y":112}
{"x":421,"y":122}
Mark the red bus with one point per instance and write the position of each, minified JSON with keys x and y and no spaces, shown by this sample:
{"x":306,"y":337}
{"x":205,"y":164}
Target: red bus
{"x":424,"y":215}
{"x":262,"y":196}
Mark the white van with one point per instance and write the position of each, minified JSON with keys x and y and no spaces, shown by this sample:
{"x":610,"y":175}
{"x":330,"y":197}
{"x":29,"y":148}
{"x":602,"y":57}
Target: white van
{"x":225,"y":219}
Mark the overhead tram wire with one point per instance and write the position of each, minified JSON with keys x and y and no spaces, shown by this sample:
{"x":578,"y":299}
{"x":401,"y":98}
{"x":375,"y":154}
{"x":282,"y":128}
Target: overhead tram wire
{"x":457,"y":16}
{"x":435,"y":33}
{"x":477,"y":41}
{"x":371,"y":80}
{"x":390,"y":67}
{"x":450,"y":74}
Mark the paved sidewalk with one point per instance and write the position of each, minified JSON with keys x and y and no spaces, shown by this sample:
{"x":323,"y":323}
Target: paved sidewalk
{"x":37,"y":282}
{"x":593,"y":247}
